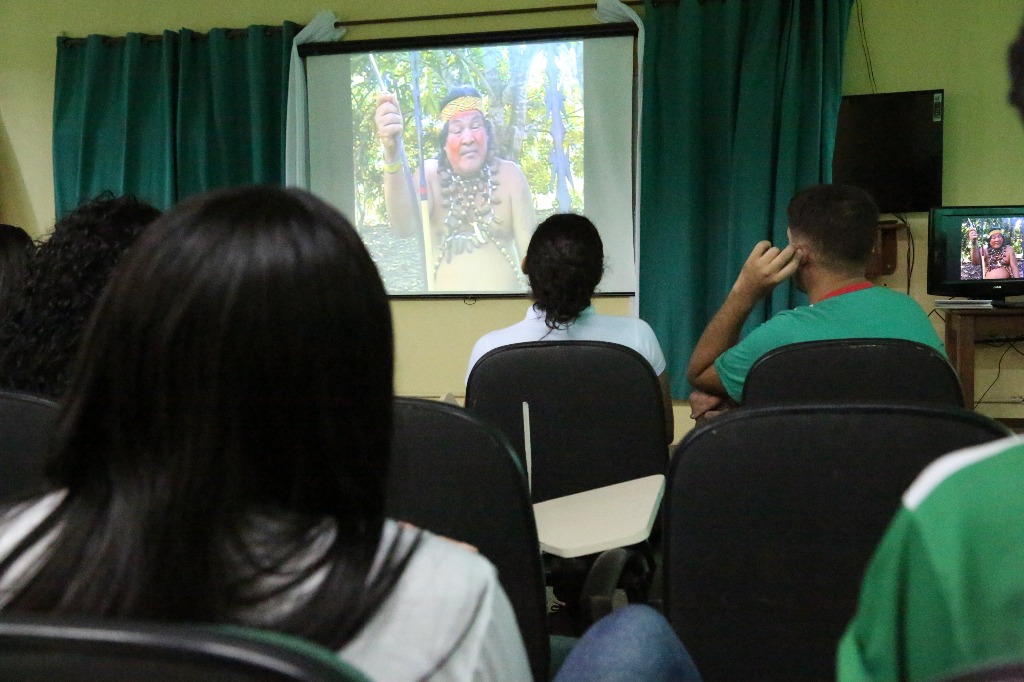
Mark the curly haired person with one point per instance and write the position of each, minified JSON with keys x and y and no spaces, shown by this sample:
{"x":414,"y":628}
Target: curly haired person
{"x":65,"y":277}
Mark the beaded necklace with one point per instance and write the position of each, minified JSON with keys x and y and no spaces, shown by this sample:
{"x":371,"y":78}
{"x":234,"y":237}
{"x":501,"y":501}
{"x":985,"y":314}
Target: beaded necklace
{"x":469,"y":202}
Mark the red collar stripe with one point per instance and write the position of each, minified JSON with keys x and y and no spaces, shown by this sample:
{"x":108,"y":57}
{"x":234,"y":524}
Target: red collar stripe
{"x":846,"y":290}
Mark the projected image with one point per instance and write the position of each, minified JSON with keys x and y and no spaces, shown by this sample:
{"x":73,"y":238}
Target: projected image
{"x":447,"y":158}
{"x":462,"y":151}
{"x":990,"y":248}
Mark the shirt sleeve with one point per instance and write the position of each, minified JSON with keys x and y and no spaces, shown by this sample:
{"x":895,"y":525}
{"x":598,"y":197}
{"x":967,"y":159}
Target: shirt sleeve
{"x":648,"y":341}
{"x":904,"y":628}
{"x":734,"y":364}
{"x":502,"y":653}
{"x":480,"y":348}
{"x":869,"y":650}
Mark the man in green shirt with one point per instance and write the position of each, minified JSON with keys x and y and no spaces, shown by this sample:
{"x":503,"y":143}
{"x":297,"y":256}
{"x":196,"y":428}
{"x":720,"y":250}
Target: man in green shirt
{"x":831,"y":233}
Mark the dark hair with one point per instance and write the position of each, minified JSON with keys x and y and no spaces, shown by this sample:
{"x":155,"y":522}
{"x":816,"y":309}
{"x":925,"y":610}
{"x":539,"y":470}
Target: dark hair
{"x":65,"y":278}
{"x":227,"y":431}
{"x":838,"y":220}
{"x":565,"y":263}
{"x":1016,"y":59}
{"x":16,"y":247}
{"x":442,"y":139}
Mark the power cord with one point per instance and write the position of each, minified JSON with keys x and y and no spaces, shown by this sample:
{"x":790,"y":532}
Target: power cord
{"x":864,"y":46}
{"x":999,"y":368}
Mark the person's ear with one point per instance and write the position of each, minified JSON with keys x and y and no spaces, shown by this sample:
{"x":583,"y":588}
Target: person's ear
{"x":803,"y":252}
{"x":522,"y":266}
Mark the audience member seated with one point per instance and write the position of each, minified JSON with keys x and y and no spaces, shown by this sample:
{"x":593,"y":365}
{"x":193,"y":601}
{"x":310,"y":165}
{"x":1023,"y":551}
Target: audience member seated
{"x":223,"y":458}
{"x":831,"y":233}
{"x":16,"y":247}
{"x":564,"y":263}
{"x":41,"y":333}
{"x":943,"y":592}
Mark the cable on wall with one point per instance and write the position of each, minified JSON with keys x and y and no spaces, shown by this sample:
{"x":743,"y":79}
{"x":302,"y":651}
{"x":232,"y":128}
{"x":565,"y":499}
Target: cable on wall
{"x":864,"y":45}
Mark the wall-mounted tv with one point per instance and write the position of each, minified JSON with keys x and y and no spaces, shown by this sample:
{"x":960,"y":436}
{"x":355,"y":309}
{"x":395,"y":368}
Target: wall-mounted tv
{"x":975,"y":251}
{"x":446,"y":151}
{"x":890,"y":145}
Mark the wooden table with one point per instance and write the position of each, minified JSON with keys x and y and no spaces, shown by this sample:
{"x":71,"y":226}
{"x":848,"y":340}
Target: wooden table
{"x":603,"y":518}
{"x":966,"y":327}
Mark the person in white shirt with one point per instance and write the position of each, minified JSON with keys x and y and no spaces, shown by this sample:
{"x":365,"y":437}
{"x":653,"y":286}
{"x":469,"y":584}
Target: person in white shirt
{"x":564,"y":263}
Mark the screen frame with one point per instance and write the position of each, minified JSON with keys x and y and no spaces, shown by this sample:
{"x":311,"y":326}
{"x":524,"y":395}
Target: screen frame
{"x":939,"y":255}
{"x":527,"y":35}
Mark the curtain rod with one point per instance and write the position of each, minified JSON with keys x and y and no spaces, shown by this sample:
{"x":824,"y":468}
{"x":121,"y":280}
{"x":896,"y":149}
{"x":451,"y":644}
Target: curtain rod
{"x":490,"y":13}
{"x":269,"y":30}
{"x":157,"y":37}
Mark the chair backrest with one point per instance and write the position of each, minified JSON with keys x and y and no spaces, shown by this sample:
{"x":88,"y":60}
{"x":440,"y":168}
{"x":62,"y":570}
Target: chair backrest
{"x":457,"y":476}
{"x":27,"y":423}
{"x":1003,"y":671}
{"x":54,"y":649}
{"x":853,"y":370}
{"x":771,"y":516}
{"x":596,"y":415}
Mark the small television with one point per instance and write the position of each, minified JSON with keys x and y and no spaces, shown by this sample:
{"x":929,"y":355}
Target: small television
{"x":890,"y":145}
{"x":975,"y":251}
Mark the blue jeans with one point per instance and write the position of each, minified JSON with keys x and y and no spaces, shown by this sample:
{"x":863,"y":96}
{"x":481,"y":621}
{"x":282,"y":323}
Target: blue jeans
{"x":634,"y":642}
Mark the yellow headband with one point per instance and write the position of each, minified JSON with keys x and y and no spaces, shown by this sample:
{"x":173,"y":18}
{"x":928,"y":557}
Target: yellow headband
{"x":460,"y":105}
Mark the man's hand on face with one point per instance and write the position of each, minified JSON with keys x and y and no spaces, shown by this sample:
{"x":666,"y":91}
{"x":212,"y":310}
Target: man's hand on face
{"x":765,"y":268}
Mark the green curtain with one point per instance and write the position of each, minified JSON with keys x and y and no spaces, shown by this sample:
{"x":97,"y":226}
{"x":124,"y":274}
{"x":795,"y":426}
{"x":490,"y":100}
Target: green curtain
{"x":740,"y":107}
{"x":113,"y":119}
{"x":165,"y":117}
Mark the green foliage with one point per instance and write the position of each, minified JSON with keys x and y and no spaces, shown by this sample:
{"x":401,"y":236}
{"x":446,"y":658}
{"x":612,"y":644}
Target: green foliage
{"x":1011,"y":227}
{"x":515,"y":87}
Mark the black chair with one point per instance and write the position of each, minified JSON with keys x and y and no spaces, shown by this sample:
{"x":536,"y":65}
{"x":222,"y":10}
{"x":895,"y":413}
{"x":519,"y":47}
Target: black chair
{"x":596,"y":412}
{"x":52,"y":649}
{"x":1003,"y":671}
{"x":27,"y":424}
{"x":457,"y":476}
{"x":771,"y":516}
{"x":853,"y":370}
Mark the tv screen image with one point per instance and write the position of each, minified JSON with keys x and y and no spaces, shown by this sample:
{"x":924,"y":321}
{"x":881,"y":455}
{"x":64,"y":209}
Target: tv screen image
{"x":990,"y":247}
{"x":446,"y":151}
{"x":976,"y":251}
{"x":890,"y":145}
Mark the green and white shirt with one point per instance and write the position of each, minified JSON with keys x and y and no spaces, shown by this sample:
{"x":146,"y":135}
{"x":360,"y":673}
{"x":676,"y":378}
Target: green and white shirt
{"x":945,"y":589}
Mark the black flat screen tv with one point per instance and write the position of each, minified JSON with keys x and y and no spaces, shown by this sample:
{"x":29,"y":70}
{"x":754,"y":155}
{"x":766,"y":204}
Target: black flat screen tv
{"x":975,"y":251}
{"x":890,"y":145}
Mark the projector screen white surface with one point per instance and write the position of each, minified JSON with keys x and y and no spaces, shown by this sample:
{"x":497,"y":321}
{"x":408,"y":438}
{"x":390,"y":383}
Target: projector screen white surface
{"x":561,"y":113}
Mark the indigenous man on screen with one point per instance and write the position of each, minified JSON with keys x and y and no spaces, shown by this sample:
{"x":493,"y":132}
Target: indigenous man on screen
{"x":997,"y":260}
{"x":480,"y":208}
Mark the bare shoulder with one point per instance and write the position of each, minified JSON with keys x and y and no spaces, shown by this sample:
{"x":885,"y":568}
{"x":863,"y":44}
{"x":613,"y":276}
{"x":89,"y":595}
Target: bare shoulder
{"x":509,"y":171}
{"x":429,"y":168}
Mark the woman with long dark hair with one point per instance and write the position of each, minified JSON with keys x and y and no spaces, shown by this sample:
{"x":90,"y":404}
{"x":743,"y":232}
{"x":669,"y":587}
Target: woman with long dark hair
{"x":565,"y":263}
{"x":223,"y":452}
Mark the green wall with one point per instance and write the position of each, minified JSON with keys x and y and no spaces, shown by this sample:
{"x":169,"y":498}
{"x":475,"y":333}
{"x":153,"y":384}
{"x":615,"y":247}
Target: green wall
{"x":960,"y":47}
